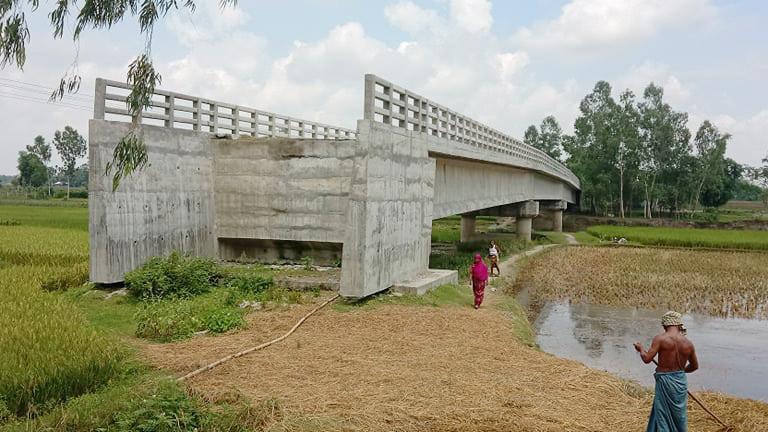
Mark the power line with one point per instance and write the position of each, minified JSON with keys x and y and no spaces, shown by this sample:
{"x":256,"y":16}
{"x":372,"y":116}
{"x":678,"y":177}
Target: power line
{"x":66,"y":99}
{"x":42,"y":89}
{"x":45,"y":102}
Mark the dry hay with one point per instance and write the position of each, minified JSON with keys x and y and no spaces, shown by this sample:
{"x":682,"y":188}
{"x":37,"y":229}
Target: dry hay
{"x":401,"y":368}
{"x":725,"y":284}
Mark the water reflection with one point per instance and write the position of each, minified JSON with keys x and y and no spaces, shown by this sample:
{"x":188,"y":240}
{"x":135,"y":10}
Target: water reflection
{"x":732,"y":353}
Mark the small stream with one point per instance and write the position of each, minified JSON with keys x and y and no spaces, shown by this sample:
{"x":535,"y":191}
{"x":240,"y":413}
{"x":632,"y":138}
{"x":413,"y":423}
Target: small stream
{"x":733,"y":353}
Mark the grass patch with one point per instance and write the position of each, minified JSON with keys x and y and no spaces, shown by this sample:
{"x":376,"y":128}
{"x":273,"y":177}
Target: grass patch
{"x":686,"y":237}
{"x":553,"y":237}
{"x":519,"y":318}
{"x":716,"y":283}
{"x":147,"y":401}
{"x":444,"y":295}
{"x":586,"y":238}
{"x":71,"y":214}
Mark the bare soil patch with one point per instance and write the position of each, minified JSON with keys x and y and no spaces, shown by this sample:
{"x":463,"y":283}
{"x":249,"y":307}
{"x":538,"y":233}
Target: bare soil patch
{"x":408,"y":368}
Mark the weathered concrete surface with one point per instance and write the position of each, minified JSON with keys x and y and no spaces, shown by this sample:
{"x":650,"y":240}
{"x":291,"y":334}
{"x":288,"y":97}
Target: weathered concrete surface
{"x":467,"y":227}
{"x":282,"y":198}
{"x":168,"y":207}
{"x":463,"y":186}
{"x":389,"y":217}
{"x":427,"y":281}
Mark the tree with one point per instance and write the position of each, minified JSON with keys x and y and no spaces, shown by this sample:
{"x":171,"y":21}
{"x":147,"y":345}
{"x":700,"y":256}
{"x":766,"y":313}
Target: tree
{"x":130,"y":153}
{"x":43,"y":151}
{"x":665,"y":140}
{"x":710,"y":145}
{"x":594,"y":147}
{"x":71,"y":146}
{"x":548,"y":138}
{"x":32,"y":172}
{"x":723,"y":184}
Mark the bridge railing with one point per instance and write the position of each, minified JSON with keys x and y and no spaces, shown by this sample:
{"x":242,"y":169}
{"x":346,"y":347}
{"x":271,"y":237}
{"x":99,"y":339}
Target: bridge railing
{"x":390,"y":104}
{"x":180,"y":111}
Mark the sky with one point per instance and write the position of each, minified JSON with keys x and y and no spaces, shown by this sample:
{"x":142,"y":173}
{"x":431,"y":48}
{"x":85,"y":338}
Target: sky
{"x":505,"y":63}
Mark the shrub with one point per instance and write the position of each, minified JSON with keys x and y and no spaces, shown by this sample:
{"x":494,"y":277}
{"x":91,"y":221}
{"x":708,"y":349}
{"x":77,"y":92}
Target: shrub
{"x":224,"y":319}
{"x":249,"y":283}
{"x":169,"y":409}
{"x":69,"y":278}
{"x":166,"y":321}
{"x":174,"y":276}
{"x":5,"y":413}
{"x":170,"y":320}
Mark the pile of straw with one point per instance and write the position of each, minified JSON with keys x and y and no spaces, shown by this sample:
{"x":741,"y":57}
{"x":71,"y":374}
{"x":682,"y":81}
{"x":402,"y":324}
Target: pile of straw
{"x":418,"y":369}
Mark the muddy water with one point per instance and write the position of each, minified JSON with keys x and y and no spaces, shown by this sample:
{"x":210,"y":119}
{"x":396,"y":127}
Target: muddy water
{"x":733,"y":353}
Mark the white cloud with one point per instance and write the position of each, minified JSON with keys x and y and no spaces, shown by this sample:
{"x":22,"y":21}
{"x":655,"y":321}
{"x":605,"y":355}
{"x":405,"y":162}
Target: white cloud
{"x":748,"y":143}
{"x":412,"y":18}
{"x":638,"y":78}
{"x":509,"y":64}
{"x":590,"y":24}
{"x":473,"y":16}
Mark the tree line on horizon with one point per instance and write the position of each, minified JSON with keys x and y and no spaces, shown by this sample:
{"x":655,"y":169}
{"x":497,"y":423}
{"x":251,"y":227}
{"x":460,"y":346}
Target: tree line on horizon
{"x":638,"y":153}
{"x":33,"y":163}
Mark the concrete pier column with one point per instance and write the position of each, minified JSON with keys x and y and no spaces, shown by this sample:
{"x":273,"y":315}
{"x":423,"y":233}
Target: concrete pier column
{"x":557,"y":220}
{"x":526,"y":211}
{"x":467,"y":227}
{"x":524,"y":228}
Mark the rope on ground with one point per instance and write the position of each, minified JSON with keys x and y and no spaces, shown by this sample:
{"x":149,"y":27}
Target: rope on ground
{"x":256,"y":348}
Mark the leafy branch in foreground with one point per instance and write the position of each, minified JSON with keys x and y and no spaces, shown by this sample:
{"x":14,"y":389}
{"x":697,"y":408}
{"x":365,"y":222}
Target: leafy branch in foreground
{"x":96,"y":15}
{"x":129,"y":155}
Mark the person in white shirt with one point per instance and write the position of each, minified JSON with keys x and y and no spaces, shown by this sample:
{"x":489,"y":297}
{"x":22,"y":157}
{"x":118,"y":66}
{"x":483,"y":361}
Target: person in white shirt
{"x":493,"y":254}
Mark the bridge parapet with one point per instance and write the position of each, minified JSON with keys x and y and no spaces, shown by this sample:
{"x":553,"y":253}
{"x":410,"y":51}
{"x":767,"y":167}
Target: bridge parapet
{"x":180,"y":111}
{"x":393,"y":105}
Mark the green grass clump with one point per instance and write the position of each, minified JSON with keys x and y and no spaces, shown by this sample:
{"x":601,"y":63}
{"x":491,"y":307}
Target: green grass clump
{"x":685,"y":237}
{"x":48,"y":350}
{"x":175,"y":319}
{"x":9,"y":222}
{"x":176,"y":276}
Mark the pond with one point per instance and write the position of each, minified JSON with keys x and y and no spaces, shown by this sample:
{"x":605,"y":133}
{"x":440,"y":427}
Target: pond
{"x":733,"y":353}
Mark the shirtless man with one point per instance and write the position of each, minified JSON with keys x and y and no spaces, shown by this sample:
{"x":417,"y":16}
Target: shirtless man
{"x":677,"y":357}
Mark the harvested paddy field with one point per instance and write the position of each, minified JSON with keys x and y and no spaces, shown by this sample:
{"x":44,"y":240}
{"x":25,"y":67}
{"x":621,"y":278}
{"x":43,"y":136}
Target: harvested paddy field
{"x":420,"y":368}
{"x":715,"y":283}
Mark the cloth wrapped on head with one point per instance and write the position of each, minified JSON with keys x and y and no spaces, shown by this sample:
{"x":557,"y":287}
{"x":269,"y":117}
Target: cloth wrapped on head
{"x":672,"y":318}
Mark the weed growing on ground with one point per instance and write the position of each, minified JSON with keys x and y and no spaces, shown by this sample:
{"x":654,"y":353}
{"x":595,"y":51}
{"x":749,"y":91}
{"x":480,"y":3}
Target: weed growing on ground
{"x":176,"y":276}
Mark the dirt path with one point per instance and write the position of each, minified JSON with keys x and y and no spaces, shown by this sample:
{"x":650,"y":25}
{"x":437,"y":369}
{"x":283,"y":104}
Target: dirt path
{"x":570,"y":239}
{"x":411,"y":368}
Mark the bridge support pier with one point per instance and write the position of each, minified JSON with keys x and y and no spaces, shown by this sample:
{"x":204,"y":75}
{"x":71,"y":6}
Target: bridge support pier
{"x":467,"y":227}
{"x":553,"y":210}
{"x":525,"y":213}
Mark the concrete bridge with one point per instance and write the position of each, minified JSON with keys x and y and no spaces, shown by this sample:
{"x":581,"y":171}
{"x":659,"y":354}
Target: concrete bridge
{"x":228,"y":181}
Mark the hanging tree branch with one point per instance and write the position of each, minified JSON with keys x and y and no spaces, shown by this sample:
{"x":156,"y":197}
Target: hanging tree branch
{"x":130,"y":154}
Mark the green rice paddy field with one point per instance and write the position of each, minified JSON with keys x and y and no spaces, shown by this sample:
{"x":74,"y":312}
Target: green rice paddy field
{"x":685,"y":237}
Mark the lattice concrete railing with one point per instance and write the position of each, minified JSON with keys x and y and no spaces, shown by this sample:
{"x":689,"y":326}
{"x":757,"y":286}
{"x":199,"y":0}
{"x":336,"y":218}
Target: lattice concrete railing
{"x":390,"y":104}
{"x":179,"y":111}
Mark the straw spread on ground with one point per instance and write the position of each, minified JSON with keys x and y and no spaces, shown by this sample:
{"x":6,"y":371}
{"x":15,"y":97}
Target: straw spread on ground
{"x":716,"y":283}
{"x":409,"y":368}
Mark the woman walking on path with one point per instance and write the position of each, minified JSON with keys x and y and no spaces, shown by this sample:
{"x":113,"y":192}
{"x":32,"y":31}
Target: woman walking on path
{"x":478,"y":273}
{"x":493,"y":255}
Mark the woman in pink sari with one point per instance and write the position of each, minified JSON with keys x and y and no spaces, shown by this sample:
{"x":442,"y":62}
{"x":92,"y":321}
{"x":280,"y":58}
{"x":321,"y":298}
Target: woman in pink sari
{"x":479,"y":275}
